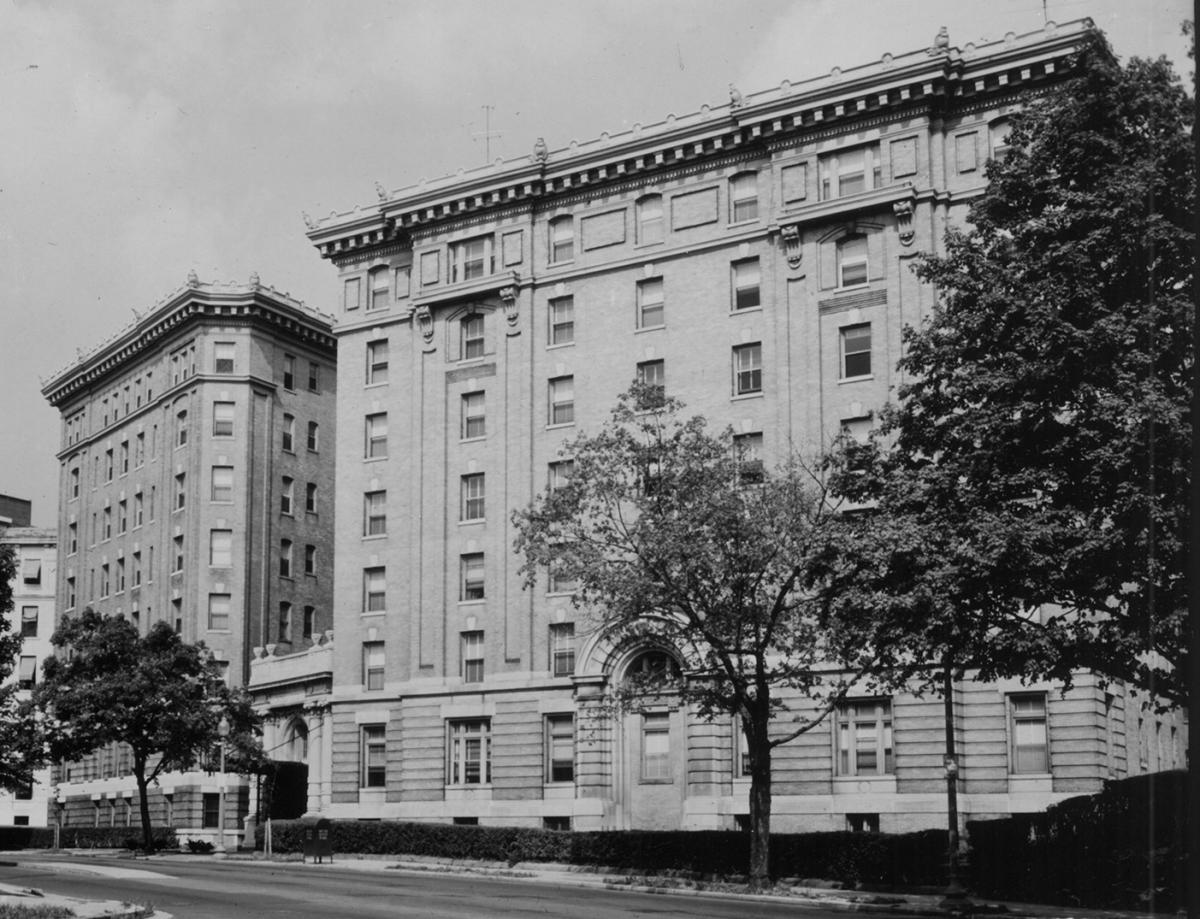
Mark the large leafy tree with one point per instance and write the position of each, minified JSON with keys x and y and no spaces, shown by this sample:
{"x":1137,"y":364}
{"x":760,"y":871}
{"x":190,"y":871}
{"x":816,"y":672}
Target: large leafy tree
{"x":162,"y":697}
{"x":20,"y":746}
{"x":1031,"y":481}
{"x":676,"y":536}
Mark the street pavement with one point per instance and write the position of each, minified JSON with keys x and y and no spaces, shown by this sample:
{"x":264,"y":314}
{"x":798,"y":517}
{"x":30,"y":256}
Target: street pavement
{"x":211,"y":887}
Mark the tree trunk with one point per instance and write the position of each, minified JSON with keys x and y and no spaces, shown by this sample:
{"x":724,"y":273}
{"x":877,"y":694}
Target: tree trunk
{"x":758,"y":745}
{"x":139,"y":773}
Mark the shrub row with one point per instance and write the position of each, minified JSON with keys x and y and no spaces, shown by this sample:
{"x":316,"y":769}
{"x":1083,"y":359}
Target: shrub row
{"x":1123,"y":848}
{"x":82,"y":837}
{"x":911,"y":859}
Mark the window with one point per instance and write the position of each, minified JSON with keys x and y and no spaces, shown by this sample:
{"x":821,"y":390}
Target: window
{"x":379,"y":288}
{"x":285,"y":558}
{"x":557,"y":580}
{"x":211,"y":804}
{"x":560,"y":748}
{"x":352,"y":294}
{"x":650,"y":220}
{"x":656,"y":747}
{"x":747,"y":449}
{"x":471,"y":653}
{"x":474,"y":423}
{"x":558,"y":474}
{"x":313,"y":435}
{"x":105,"y":584}
{"x":124,"y":457}
{"x":746,"y":281}
{"x":376,"y":435}
{"x":223,"y":353}
{"x":137,"y":569}
{"x":373,"y":664}
{"x":743,"y":197}
{"x":403,"y":279}
{"x":310,"y":498}
{"x":471,"y":569}
{"x":562,"y":239}
{"x":285,"y":622}
{"x":374,"y":590}
{"x":122,"y":516}
{"x":222,"y":423}
{"x":562,"y":648}
{"x":310,"y":620}
{"x":289,"y":433}
{"x":747,"y":369}
{"x":180,"y":491}
{"x":1030,"y":753}
{"x":108,"y":458}
{"x":374,"y":513}
{"x":139,"y":449}
{"x":220,"y":548}
{"x":75,"y":482}
{"x":285,"y":495}
{"x":469,"y":757}
{"x":374,"y":756}
{"x":73,"y":538}
{"x":653,"y":373}
{"x":862,"y":823}
{"x":562,"y":400}
{"x":310,"y":559}
{"x":650,"y":303}
{"x":120,"y":575}
{"x":847,"y":172}
{"x":471,"y":497}
{"x":289,"y":372}
{"x":222,"y":483}
{"x":471,"y":337}
{"x":864,"y":737}
{"x":218,"y":612}
{"x":377,"y":361}
{"x":562,"y":320}
{"x":70,"y":593}
{"x":29,"y":621}
{"x":856,"y":351}
{"x":178,"y":546}
{"x":181,"y":430}
{"x":852,"y":260}
{"x":471,"y":258}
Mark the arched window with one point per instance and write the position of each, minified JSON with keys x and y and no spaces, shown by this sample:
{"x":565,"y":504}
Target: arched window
{"x":852,"y":260}
{"x":653,"y":665}
{"x":649,"y":220}
{"x":379,"y":279}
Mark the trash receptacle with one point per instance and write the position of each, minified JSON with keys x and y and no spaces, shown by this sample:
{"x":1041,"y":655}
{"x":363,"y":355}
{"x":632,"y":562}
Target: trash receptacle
{"x":316,"y":839}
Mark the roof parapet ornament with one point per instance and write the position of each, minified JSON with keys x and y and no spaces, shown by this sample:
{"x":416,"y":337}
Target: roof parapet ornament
{"x":193,"y":279}
{"x":381,"y":191}
{"x":540,"y":151}
{"x":735,"y":96}
{"x":308,"y":221}
{"x":254,"y":280}
{"x":941,"y":42}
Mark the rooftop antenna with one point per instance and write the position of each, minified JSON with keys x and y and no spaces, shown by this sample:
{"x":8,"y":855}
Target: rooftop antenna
{"x":487,"y":133}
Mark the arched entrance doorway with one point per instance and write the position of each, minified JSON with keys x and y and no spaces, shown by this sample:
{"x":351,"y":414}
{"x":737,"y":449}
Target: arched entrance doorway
{"x":651,"y":747}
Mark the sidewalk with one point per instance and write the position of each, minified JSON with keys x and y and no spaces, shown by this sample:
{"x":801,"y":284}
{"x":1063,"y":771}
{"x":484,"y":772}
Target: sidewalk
{"x":897,"y":904}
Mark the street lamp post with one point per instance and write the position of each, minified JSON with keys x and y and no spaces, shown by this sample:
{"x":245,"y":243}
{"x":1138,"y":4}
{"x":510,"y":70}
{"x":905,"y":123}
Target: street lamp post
{"x":223,"y":733}
{"x":955,"y":899}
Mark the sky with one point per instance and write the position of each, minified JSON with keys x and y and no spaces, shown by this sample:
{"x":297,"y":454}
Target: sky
{"x":142,"y":140}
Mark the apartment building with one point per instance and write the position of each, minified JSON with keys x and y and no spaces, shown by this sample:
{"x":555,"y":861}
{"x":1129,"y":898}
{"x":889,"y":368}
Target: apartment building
{"x":197,"y":489}
{"x":753,"y":258}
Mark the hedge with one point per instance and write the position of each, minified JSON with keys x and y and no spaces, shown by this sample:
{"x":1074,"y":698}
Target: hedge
{"x":913,"y":859}
{"x":1124,"y":848}
{"x":82,"y":837}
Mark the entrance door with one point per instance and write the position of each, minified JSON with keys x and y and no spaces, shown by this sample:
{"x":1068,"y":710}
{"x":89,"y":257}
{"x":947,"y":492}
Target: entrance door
{"x":655,"y":769}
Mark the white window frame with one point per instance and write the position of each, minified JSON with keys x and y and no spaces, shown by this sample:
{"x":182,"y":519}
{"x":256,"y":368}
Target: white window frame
{"x":651,"y":226}
{"x":220,"y":548}
{"x":853,"y":742}
{"x":374,"y":665}
{"x":471,"y":656}
{"x":469,"y":752}
{"x":472,"y":341}
{"x":375,"y":589}
{"x":561,"y":316}
{"x":560,"y":233}
{"x":373,"y":756}
{"x":746,"y":284}
{"x":743,"y":197}
{"x":560,"y":749}
{"x":474,"y":415}
{"x":847,"y":168}
{"x":375,"y":435}
{"x":848,"y":335}
{"x":651,"y":304}
{"x":472,"y":494}
{"x":1028,"y":710}
{"x":561,"y":391}
{"x":747,"y":369}
{"x":472,"y":258}
{"x":562,"y":648}
{"x":472,"y":578}
{"x":854,"y":264}
{"x":656,"y":766}
{"x":378,"y":358}
{"x":223,"y":419}
{"x":375,"y":513}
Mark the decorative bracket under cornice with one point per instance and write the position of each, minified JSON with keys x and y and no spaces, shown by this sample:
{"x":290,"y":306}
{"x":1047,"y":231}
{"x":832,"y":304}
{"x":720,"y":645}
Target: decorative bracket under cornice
{"x":508,"y":297}
{"x":904,"y":215}
{"x":424,"y":316}
{"x":791,"y":244}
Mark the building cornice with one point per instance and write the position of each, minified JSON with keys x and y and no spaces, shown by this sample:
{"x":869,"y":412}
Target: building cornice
{"x":943,"y":77}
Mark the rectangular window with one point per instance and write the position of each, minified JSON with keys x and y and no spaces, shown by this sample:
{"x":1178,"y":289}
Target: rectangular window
{"x":560,"y":748}
{"x":852,"y":260}
{"x":137,"y":569}
{"x":562,"y":400}
{"x":122,"y":516}
{"x":310,"y":559}
{"x":471,"y":258}
{"x":310,"y":620}
{"x":471,"y":645}
{"x":218,"y":612}
{"x":379,"y":289}
{"x":747,"y":449}
{"x":285,"y":495}
{"x":120,"y":575}
{"x":471,"y":337}
{"x":471,"y":489}
{"x":139,"y":449}
{"x":557,"y":580}
{"x":374,"y":513}
{"x":222,"y":422}
{"x":376,"y":435}
{"x":124,"y":457}
{"x":222,"y":483}
{"x":469,"y":752}
{"x":289,"y":372}
{"x":314,"y":377}
{"x":211,"y":813}
{"x":559,"y":474}
{"x":562,"y":239}
{"x":848,"y":172}
{"x":474,"y":422}
{"x":864,"y":737}
{"x":374,"y":590}
{"x":352,"y":294}
{"x":180,"y":491}
{"x":72,"y":538}
{"x":377,"y":361}
{"x":220,"y":548}
{"x":223,"y":355}
{"x":403,"y":279}
{"x":650,"y":303}
{"x":373,"y":664}
{"x":650,"y":220}
{"x":29,"y":621}
{"x":181,"y":429}
{"x":656,"y":747}
{"x":747,"y":369}
{"x":108,"y":459}
{"x":310,"y":498}
{"x":75,"y":482}
{"x":285,"y":622}
{"x":747,"y":278}
{"x":562,"y":648}
{"x":1030,"y":752}
{"x":178,"y":563}
{"x":653,"y":373}
{"x":856,"y":350}
{"x":313,"y":437}
{"x":743,"y":197}
{"x":472,"y":582}
{"x":562,"y":320}
{"x":289,"y":433}
{"x":374,"y":756}
{"x":105,"y":584}
{"x":285,"y":558}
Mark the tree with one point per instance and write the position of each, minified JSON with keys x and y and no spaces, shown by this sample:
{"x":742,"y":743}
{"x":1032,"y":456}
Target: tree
{"x":678,"y":538}
{"x":159,"y":695}
{"x":1031,"y":481}
{"x":20,"y":739}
